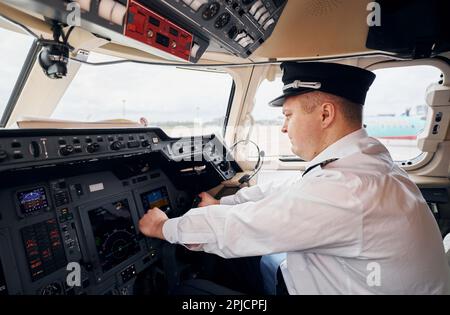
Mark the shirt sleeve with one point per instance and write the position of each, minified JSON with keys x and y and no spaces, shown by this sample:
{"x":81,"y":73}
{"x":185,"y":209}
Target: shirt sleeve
{"x":257,"y":192}
{"x":313,"y":216}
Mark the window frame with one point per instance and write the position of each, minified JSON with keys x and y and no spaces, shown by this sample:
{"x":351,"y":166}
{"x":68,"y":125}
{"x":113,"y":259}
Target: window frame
{"x":230,"y":104}
{"x":424,"y":158}
{"x":413,"y":164}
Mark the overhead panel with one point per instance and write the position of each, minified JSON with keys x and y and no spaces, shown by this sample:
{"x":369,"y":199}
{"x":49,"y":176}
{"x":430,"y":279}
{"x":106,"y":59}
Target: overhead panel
{"x":181,"y":30}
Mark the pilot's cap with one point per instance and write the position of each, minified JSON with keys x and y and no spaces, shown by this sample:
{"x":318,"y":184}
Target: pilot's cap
{"x":345,"y":81}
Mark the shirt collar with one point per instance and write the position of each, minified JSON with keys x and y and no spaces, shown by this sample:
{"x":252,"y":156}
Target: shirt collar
{"x":341,"y":148}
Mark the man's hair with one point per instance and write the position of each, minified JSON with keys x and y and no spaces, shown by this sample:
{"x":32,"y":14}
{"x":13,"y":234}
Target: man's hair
{"x":351,"y":111}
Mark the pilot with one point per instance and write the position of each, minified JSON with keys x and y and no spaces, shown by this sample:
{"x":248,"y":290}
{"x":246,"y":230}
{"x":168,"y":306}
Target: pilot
{"x":352,"y":223}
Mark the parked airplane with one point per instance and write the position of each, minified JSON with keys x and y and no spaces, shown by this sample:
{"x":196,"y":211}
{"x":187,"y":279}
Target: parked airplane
{"x":399,"y":127}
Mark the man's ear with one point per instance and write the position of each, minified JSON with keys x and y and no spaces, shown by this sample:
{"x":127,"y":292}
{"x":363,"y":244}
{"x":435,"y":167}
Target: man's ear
{"x":328,"y":114}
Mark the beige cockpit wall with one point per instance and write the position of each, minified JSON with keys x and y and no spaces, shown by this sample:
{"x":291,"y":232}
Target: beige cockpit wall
{"x":318,"y":28}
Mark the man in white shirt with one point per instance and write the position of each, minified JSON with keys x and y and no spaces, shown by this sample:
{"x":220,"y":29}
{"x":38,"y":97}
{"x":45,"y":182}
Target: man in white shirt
{"x":353,"y":223}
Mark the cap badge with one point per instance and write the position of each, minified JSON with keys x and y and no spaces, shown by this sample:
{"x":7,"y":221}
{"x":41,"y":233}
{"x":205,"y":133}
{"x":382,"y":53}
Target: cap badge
{"x":300,"y":84}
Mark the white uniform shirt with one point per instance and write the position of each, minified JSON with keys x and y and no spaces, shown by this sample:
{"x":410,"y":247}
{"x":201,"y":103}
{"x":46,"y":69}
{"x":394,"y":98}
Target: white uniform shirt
{"x":357,"y":226}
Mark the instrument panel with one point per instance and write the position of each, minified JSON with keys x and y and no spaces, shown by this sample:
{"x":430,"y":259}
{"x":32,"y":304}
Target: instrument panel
{"x":69,"y":223}
{"x":95,"y":228}
{"x":24,"y":149}
{"x":181,"y":30}
{"x":236,"y":26}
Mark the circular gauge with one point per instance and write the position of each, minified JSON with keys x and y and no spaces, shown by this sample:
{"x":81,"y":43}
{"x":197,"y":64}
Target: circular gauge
{"x":119,"y":245}
{"x":222,"y":20}
{"x":119,"y":249}
{"x":211,"y":10}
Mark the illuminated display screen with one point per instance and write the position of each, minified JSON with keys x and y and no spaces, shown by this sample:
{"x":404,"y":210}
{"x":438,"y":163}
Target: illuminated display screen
{"x":114,"y":233}
{"x":158,"y":198}
{"x":43,"y":248}
{"x":31,"y":201}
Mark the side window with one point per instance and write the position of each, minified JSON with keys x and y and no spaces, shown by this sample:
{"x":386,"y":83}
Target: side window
{"x":395,"y":112}
{"x":396,"y":109}
{"x":268,"y":121}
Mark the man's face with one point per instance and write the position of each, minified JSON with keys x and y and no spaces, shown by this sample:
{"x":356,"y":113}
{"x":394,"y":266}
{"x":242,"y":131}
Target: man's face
{"x":303,"y":128}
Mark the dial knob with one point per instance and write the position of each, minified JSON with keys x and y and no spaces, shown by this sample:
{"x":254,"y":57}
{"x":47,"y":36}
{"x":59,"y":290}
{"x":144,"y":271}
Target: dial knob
{"x":66,"y":150}
{"x":93,"y":147}
{"x":224,"y":166}
{"x":116,"y":145}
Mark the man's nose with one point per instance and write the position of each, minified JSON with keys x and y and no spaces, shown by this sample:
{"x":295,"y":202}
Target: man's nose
{"x":284,"y":128}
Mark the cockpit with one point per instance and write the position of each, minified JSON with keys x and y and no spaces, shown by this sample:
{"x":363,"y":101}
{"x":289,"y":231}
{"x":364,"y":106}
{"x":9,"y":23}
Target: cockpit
{"x":110,"y":108}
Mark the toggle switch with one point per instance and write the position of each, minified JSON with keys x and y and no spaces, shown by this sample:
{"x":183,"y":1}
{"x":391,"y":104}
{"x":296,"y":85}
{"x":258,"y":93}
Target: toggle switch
{"x":105,"y":9}
{"x":194,"y":50}
{"x":196,"y":4}
{"x":264,"y":18}
{"x":118,"y":14}
{"x":244,"y":42}
{"x":240,"y":36}
{"x":268,"y":23}
{"x":260,"y":12}
{"x":112,"y":11}
{"x":255,"y":7}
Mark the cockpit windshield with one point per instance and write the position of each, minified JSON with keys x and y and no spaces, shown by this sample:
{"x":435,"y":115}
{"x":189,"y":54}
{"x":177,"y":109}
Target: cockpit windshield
{"x":182,"y":102}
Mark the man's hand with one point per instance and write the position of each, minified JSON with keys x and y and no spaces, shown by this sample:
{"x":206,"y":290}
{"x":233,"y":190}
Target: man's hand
{"x":207,"y":200}
{"x":152,"y":223}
